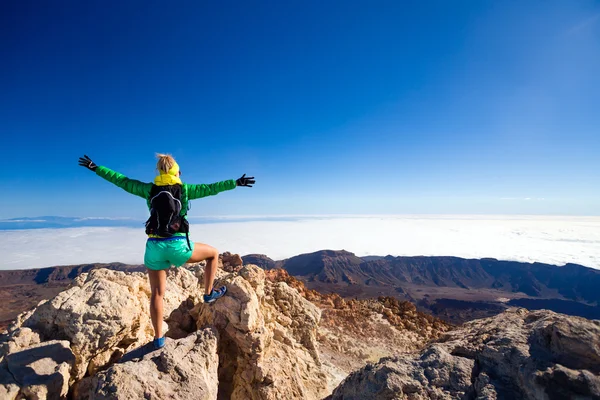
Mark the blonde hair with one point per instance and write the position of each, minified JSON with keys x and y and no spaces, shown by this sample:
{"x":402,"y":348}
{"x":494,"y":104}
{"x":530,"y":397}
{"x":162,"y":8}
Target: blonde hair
{"x":165,"y":162}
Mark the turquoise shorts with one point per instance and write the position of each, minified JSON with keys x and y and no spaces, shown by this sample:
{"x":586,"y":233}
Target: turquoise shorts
{"x":161,"y":253}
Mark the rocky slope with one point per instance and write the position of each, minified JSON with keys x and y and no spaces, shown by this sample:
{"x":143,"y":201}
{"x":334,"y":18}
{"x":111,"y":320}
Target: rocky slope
{"x":515,"y":355}
{"x":353,"y":332}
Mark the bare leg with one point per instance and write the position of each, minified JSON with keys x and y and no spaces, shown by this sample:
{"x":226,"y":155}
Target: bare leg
{"x":211,"y":255}
{"x":158,"y":282}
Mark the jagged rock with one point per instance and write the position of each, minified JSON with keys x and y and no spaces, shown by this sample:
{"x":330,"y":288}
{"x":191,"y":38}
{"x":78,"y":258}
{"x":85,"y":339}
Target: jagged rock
{"x":435,"y":374}
{"x":263,"y":345}
{"x":41,"y":371}
{"x":19,"y":338}
{"x":267,"y":340}
{"x":106,"y":313}
{"x":353,"y":332}
{"x":230,"y":262}
{"x":183,"y":369}
{"x":515,"y":355}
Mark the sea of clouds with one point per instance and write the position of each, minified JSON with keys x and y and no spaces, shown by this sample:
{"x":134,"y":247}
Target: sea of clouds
{"x":554,"y":240}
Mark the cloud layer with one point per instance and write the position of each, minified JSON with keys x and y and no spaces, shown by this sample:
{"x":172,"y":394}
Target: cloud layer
{"x":554,"y":240}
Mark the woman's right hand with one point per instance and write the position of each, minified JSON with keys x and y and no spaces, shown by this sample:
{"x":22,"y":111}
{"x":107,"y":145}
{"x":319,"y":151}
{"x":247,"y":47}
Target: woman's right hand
{"x":87,"y":162}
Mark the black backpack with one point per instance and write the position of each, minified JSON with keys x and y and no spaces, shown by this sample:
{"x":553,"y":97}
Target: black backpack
{"x":165,"y":212}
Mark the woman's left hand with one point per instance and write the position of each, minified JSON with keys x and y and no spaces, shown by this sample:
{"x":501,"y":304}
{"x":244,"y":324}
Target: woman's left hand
{"x":247,"y":181}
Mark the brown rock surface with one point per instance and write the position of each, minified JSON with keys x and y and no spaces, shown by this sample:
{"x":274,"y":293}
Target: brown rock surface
{"x":515,"y":355}
{"x":21,"y":290}
{"x":105,"y":314}
{"x":353,"y":332}
{"x":230,"y":262}
{"x":183,"y":369}
{"x":268,"y":346}
{"x":262,"y":343}
{"x":41,"y":371}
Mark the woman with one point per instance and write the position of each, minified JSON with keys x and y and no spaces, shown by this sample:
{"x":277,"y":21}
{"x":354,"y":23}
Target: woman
{"x":167,"y":244}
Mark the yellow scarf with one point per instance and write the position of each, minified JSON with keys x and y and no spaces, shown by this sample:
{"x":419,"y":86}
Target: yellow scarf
{"x":167,"y":179}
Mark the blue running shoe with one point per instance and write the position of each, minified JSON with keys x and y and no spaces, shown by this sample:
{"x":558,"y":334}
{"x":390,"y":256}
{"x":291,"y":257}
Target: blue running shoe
{"x":159,"y":343}
{"x":215,"y":294}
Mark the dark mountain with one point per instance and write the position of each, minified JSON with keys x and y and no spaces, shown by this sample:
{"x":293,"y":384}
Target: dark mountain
{"x":429,"y":279}
{"x":259,"y":259}
{"x":371,"y":258}
{"x":57,"y":274}
{"x":557,"y":305}
{"x":573,"y":282}
{"x":327,"y":266}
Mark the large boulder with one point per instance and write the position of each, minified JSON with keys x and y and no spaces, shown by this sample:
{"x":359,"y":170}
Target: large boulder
{"x":103,"y":315}
{"x":267,"y":336}
{"x":515,"y":355}
{"x":434,"y":374}
{"x":183,"y":369}
{"x":42,"y":371}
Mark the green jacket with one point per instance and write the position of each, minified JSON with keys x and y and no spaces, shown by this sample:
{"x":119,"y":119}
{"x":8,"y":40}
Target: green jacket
{"x":142,"y":189}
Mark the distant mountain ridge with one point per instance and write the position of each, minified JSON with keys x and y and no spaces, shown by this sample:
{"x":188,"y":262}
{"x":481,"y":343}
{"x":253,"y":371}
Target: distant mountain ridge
{"x":58,"y":274}
{"x":572,"y":281}
{"x":571,"y":287}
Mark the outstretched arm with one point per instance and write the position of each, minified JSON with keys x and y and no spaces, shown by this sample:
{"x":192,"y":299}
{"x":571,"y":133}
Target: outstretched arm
{"x":132,"y":186}
{"x":202,"y":190}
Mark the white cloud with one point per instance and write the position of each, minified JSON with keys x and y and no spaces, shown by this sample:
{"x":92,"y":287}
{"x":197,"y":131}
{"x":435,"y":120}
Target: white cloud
{"x":22,"y":220}
{"x":555,"y":240}
{"x":103,"y":219}
{"x":524,"y":199}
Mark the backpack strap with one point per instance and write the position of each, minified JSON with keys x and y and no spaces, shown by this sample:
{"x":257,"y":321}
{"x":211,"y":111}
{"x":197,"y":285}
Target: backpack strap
{"x":187,"y":237}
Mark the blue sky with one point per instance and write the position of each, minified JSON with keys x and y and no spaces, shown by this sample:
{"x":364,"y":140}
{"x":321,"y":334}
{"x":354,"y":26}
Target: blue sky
{"x":336,"y":107}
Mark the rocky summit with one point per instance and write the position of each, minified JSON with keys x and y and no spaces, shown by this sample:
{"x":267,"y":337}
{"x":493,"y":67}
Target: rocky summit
{"x":91,"y":341}
{"x":272,"y":338}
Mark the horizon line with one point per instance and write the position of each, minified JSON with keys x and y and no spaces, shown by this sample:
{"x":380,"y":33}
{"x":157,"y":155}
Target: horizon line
{"x":244,"y":216}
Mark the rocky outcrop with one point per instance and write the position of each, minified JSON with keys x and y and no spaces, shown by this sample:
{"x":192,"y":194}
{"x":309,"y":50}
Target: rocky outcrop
{"x":230,"y":262}
{"x":183,"y":369}
{"x":22,"y":290}
{"x":91,"y":341}
{"x":267,"y":340}
{"x":41,"y":371}
{"x":105,"y":314}
{"x":515,"y":355}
